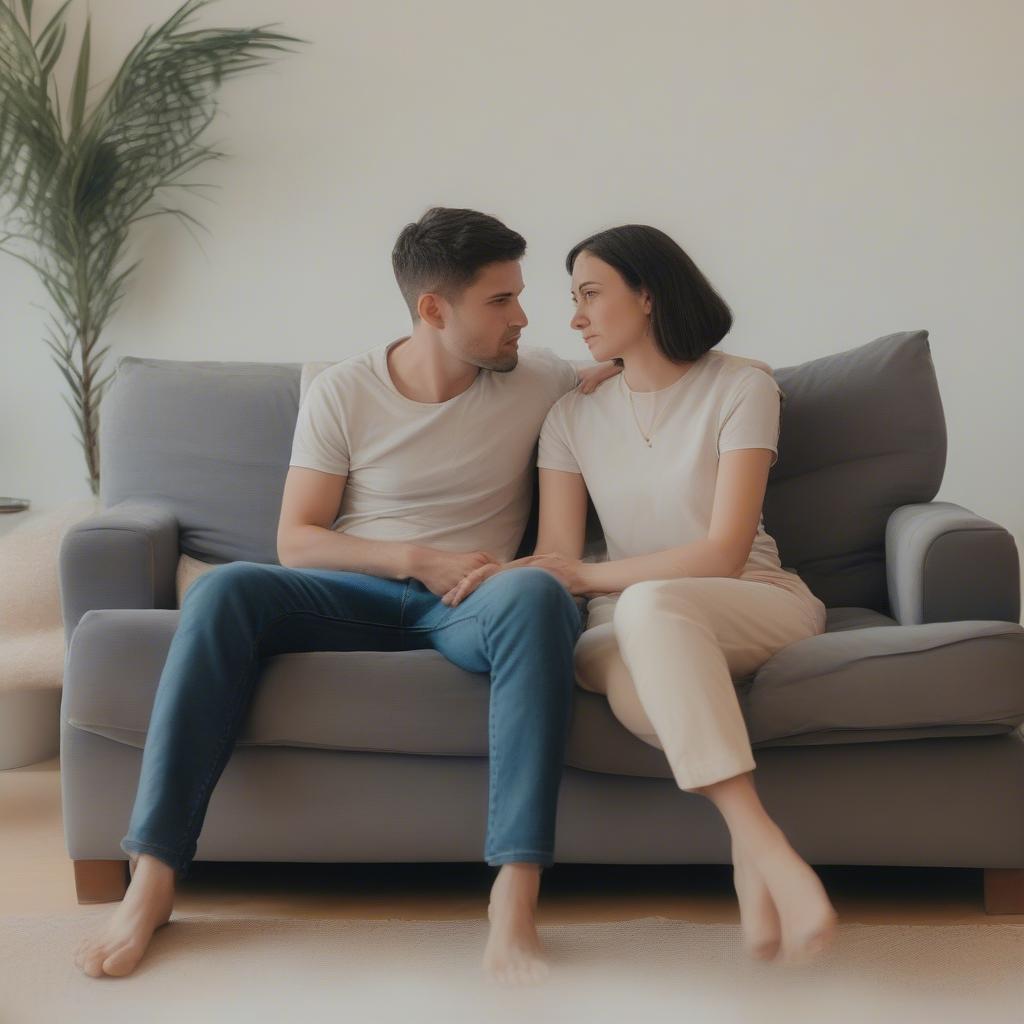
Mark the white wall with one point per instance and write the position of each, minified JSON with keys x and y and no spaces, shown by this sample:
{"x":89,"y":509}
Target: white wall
{"x":839,"y":170}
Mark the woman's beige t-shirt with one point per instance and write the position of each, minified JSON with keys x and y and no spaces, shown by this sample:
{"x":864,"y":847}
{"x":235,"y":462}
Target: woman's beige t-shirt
{"x":652,"y":498}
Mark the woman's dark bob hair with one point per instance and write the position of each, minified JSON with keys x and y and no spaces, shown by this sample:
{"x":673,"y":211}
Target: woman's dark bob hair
{"x":688,"y":316}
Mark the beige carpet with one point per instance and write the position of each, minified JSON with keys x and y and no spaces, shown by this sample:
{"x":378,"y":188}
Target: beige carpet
{"x":203,"y":968}
{"x":31,"y":627}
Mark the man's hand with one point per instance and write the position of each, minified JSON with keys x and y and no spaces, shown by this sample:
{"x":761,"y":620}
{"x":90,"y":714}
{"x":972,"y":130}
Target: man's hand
{"x":593,"y":376}
{"x":440,"y":571}
{"x":570,"y":572}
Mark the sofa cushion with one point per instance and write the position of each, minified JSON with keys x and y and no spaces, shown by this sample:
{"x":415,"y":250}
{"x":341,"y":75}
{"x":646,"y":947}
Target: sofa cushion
{"x":849,"y":685}
{"x":862,"y":433}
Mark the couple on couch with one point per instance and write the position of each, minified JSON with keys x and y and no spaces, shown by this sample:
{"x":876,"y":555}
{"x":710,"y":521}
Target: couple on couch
{"x":408,"y":491}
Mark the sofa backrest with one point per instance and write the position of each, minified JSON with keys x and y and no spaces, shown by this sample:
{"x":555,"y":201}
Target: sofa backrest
{"x":862,"y":432}
{"x":208,"y":440}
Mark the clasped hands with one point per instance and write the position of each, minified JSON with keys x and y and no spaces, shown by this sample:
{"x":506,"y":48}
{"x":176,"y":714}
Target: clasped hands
{"x":570,"y":572}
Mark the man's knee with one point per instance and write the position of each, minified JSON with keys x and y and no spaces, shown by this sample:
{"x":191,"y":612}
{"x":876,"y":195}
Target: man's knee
{"x":533,"y":590}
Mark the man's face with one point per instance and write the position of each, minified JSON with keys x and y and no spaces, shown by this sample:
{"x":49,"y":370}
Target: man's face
{"x":483,"y":326}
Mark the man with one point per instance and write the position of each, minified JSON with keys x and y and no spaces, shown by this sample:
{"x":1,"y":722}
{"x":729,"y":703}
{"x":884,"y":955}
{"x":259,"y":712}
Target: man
{"x":411,"y":466}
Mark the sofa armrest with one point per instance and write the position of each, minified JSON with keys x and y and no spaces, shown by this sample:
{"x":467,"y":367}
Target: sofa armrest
{"x":125,"y":556}
{"x":945,"y":563}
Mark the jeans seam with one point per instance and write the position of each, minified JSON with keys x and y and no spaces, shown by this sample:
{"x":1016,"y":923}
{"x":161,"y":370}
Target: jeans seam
{"x":492,"y":757}
{"x":231,"y":721}
{"x":216,"y":758}
{"x":329,"y":618}
{"x":544,"y":857}
{"x":437,"y":629}
{"x":401,"y":610}
{"x":154,"y":846}
{"x":521,"y":849}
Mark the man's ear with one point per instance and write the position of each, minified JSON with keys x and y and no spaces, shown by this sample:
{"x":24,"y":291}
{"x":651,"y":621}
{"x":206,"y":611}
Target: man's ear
{"x":429,"y":309}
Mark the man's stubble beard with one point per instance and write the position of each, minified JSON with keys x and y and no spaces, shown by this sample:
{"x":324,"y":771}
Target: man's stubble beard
{"x":503,"y":366}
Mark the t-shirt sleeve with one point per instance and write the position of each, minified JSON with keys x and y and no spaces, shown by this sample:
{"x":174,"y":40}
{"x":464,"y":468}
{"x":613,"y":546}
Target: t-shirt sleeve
{"x":752,"y":415}
{"x":319,"y":441}
{"x":554,"y":449}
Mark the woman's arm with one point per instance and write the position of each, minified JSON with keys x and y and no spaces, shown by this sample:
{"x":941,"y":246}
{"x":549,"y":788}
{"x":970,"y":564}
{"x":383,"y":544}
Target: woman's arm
{"x":562,"y":516}
{"x":739,"y":499}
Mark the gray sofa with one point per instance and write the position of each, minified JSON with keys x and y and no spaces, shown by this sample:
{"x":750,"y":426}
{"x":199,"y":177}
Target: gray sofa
{"x":892,"y":739}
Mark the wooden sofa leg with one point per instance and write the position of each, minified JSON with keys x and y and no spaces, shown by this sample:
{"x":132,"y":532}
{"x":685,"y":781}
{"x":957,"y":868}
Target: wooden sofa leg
{"x":1004,"y":890}
{"x":101,"y":881}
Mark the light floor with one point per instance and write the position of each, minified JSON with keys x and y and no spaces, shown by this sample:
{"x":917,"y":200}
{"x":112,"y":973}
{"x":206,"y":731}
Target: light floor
{"x":37,"y":878}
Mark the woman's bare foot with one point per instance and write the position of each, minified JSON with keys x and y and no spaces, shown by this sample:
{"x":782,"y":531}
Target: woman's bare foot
{"x":759,"y":917}
{"x":807,"y":916}
{"x":118,"y":946}
{"x":514,"y":955}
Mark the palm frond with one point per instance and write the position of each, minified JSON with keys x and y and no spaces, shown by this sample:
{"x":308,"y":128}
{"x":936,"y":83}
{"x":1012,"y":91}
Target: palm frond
{"x":76,"y":192}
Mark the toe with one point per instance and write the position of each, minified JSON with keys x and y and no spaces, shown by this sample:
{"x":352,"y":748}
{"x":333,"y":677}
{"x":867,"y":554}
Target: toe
{"x":765,"y":950}
{"x":93,"y":965}
{"x":121,"y":961}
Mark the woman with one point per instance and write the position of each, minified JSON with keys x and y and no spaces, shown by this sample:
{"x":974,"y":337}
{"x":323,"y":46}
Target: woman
{"x":675,"y":453}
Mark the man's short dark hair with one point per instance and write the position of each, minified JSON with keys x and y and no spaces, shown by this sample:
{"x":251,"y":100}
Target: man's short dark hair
{"x":444,"y":251}
{"x":688,"y":316}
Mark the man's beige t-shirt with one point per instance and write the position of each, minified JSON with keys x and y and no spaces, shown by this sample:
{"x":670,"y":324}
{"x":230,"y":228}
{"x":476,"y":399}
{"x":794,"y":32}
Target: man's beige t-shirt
{"x":652,"y":498}
{"x":455,"y":475}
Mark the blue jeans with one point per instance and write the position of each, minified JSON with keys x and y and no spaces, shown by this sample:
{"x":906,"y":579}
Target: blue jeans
{"x":520,"y":626}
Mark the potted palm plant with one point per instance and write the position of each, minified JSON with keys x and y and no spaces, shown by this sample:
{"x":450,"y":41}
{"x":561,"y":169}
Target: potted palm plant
{"x":73,"y":182}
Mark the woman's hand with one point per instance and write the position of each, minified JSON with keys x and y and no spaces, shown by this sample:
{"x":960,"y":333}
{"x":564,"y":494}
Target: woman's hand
{"x":570,"y":572}
{"x":593,"y":376}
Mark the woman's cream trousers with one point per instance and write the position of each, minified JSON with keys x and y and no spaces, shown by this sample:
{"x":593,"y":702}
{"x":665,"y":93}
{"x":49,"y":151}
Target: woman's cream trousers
{"x":665,"y":652}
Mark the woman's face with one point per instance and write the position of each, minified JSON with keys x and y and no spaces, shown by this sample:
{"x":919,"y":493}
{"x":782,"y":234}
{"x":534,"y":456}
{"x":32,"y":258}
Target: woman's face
{"x":611,"y":316}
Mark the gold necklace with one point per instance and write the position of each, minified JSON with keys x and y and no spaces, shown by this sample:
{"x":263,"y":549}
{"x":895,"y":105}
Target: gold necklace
{"x":648,"y":437}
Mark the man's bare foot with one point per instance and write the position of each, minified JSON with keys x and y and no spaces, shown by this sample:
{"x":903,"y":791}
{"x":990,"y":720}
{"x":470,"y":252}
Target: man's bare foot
{"x":118,"y":946}
{"x":807,"y":916}
{"x":759,"y":917}
{"x":514,"y":955}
